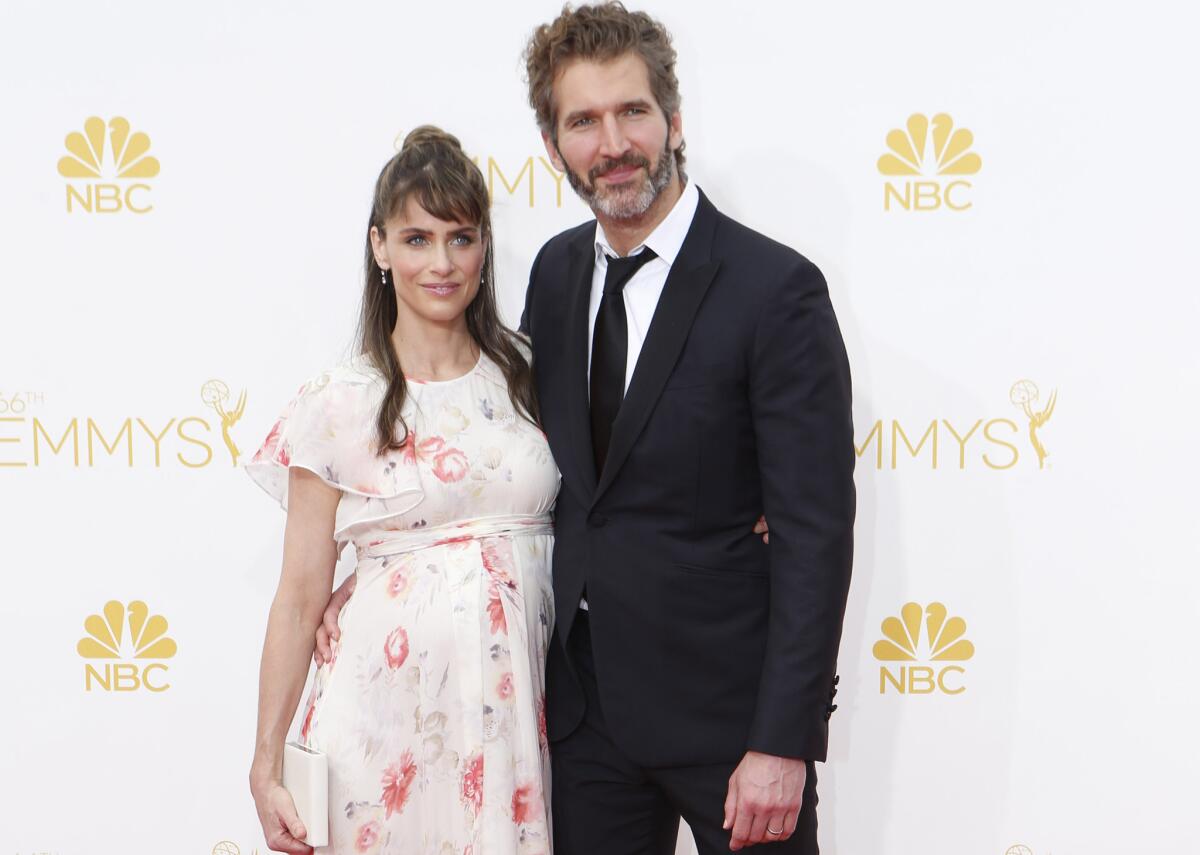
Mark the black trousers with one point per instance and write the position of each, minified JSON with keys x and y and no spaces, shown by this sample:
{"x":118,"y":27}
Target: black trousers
{"x":605,"y":804}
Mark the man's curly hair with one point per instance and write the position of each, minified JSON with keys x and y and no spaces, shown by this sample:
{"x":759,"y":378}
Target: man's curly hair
{"x":601,"y":32}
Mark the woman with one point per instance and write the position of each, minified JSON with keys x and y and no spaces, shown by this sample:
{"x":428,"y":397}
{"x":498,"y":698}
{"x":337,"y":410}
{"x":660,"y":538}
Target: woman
{"x":424,"y":453}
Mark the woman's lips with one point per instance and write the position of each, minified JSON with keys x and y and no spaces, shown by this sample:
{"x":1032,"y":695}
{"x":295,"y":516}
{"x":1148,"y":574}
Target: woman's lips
{"x":441,"y":289}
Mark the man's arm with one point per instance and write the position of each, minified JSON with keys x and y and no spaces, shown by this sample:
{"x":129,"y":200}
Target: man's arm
{"x":800,"y":402}
{"x":800,"y":405}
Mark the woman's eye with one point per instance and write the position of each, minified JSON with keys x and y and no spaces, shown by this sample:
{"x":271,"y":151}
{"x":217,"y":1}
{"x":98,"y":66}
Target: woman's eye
{"x":416,"y":240}
{"x":463,"y":240}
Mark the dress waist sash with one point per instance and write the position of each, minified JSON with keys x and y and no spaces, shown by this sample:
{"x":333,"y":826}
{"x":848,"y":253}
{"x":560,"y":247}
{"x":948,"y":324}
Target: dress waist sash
{"x":410,"y":540}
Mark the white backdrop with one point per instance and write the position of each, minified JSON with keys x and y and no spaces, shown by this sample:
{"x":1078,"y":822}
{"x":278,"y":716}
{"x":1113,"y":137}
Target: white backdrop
{"x":1069,"y":261}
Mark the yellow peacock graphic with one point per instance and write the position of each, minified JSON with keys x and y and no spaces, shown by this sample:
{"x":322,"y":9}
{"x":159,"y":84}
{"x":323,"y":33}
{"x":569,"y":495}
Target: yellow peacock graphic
{"x":106,"y":633}
{"x":930,"y":147}
{"x":902,"y":635}
{"x":107,"y":148}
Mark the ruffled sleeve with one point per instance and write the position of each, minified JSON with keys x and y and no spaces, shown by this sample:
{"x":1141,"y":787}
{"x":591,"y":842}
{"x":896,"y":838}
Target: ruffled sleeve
{"x":329,"y":429}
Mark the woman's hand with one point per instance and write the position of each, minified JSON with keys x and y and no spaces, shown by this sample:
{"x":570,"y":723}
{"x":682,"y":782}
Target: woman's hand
{"x":281,"y":824}
{"x":309,"y":557}
{"x":328,"y":631}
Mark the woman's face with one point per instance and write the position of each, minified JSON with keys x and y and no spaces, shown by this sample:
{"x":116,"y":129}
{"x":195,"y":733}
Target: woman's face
{"x":435,"y":264}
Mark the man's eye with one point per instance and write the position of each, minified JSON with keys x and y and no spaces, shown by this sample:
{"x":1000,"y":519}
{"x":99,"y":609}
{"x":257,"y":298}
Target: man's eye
{"x":579,"y":123}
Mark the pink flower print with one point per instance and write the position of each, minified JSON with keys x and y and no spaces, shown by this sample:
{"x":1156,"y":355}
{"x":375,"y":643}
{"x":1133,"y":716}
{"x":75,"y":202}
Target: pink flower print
{"x":472,"y":784}
{"x":308,"y":717}
{"x":397,"y":781}
{"x":505,"y":688}
{"x":398,"y":582}
{"x":497,"y":563}
{"x":430,"y":446}
{"x":268,"y":446}
{"x":448,"y":541}
{"x":395,"y":648}
{"x":541,"y":722}
{"x":451,"y":465}
{"x":525,"y":801}
{"x":412,"y":451}
{"x":367,"y":837}
{"x":284,"y":455}
{"x":495,"y":610}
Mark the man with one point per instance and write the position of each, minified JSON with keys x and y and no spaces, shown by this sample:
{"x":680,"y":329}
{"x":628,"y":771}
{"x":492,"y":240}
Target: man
{"x":690,"y":373}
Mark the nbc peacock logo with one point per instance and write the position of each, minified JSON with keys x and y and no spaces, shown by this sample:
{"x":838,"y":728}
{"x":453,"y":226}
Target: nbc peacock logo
{"x":942,"y":642}
{"x":122,"y":632}
{"x":928,"y":158}
{"x":101,"y":155}
{"x":228,"y":847}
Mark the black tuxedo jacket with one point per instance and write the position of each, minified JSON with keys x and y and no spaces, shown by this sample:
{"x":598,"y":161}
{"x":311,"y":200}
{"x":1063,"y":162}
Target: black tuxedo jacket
{"x":706,"y":642}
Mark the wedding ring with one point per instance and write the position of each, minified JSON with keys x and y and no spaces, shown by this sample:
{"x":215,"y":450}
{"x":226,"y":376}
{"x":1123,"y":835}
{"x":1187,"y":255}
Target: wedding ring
{"x":773,"y":831}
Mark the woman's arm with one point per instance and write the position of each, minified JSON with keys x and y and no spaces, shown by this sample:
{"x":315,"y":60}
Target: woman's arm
{"x":309,"y":556}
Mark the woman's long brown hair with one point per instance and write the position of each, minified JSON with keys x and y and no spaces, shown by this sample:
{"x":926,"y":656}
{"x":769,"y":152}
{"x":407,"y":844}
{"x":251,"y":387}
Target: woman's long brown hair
{"x":432,"y":167}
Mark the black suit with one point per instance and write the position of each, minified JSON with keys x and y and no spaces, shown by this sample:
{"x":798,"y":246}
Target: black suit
{"x":705,"y":642}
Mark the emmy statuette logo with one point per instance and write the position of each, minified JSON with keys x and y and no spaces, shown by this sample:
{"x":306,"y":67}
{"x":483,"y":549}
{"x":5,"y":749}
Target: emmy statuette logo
{"x":215,"y":395}
{"x":112,"y":164}
{"x":927,"y":158}
{"x":126,"y":633}
{"x":1024,"y":394}
{"x":957,"y":443}
{"x":33,"y":437}
{"x":942,"y":642}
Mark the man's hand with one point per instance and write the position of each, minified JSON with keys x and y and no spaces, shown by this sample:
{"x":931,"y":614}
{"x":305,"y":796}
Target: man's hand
{"x":760,"y":527}
{"x":764,"y":797}
{"x":328,"y":631}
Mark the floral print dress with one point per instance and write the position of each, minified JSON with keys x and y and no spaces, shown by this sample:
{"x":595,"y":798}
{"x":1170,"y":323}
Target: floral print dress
{"x":432,"y":710}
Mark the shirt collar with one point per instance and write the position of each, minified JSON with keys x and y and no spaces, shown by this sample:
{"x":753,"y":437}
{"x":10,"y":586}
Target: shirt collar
{"x":667,"y":238}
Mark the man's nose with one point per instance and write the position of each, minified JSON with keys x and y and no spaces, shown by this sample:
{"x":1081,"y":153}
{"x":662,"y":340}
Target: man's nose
{"x":613,"y":141}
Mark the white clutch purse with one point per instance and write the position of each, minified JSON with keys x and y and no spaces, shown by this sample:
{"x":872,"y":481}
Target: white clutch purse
{"x":306,"y":778}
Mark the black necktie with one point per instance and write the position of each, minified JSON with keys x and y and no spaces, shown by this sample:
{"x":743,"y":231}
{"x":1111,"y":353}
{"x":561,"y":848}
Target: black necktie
{"x":610,"y":350}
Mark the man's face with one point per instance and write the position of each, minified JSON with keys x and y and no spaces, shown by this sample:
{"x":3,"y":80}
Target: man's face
{"x":614,"y":143}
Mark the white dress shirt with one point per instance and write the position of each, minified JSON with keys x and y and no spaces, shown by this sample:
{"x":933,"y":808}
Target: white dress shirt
{"x":643,"y":290}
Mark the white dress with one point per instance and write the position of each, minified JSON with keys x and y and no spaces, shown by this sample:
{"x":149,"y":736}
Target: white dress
{"x":432,"y":712}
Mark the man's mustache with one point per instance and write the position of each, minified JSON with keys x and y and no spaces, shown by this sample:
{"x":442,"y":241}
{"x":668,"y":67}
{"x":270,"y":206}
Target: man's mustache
{"x":629,"y":159}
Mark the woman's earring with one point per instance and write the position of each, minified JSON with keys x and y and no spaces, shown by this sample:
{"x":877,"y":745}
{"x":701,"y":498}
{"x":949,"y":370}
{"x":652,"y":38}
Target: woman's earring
{"x":383,"y":276}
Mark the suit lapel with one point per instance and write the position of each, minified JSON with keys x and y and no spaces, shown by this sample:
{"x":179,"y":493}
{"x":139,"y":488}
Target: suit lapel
{"x":686,"y":285}
{"x":579,"y":465}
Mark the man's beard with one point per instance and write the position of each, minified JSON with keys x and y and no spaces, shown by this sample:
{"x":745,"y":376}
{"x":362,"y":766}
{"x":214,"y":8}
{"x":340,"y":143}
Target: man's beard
{"x":632,"y":199}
